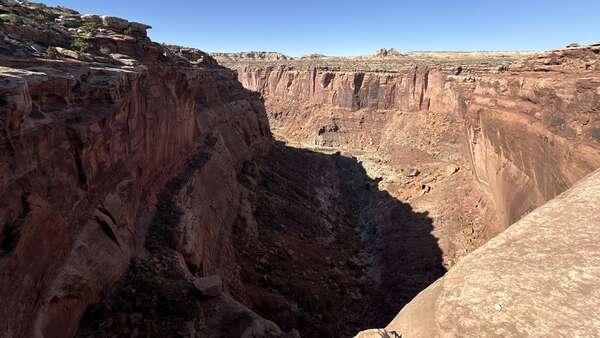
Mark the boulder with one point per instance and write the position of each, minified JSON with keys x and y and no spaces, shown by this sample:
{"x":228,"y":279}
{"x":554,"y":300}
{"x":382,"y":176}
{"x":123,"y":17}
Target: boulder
{"x":92,"y":18}
{"x":138,"y":29}
{"x":68,"y":53}
{"x":68,"y":21}
{"x":114,"y":23}
{"x":413,"y":173}
{"x":210,"y":286}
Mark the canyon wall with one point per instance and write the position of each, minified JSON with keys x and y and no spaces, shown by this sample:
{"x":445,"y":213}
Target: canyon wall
{"x":528,"y":120}
{"x":89,"y":137}
{"x":535,"y":131}
{"x":400,"y":121}
{"x":132,"y":174}
{"x":537,"y":279}
{"x":475,"y":143}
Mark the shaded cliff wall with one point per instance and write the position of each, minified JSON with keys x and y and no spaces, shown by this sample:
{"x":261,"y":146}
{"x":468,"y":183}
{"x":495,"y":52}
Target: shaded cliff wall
{"x":85,"y":147}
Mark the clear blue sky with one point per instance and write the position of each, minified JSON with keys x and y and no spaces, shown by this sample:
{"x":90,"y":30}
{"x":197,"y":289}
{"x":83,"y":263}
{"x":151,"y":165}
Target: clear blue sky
{"x":348,"y":27}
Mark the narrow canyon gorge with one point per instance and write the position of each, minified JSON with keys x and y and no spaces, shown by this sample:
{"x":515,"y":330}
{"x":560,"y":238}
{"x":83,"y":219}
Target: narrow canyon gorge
{"x":153,"y":190}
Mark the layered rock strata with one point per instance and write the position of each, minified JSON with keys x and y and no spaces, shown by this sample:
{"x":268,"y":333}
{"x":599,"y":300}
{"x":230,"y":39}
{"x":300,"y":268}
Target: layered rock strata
{"x":521,"y":114}
{"x":95,"y":120}
{"x":536,"y":279}
{"x":477,"y":140}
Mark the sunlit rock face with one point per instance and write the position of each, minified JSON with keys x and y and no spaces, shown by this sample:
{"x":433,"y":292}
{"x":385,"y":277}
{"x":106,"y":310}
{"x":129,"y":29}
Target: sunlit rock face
{"x":142,"y":193}
{"x":525,"y":121}
{"x":477,"y":140}
{"x":535,"y":279}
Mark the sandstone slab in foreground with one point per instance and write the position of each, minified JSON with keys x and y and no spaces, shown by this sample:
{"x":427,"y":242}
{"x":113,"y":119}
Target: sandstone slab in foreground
{"x":539,"y":278}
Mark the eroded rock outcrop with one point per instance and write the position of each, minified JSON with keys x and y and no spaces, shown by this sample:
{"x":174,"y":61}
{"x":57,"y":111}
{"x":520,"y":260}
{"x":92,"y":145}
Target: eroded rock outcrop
{"x":537,"y":279}
{"x":476,"y":139}
{"x":533,"y":131}
{"x":116,"y":141}
{"x":529,"y":118}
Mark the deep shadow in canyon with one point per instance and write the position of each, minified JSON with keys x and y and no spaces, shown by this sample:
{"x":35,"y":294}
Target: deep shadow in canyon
{"x":329,"y":253}
{"x":321,"y":250}
{"x":108,"y":220}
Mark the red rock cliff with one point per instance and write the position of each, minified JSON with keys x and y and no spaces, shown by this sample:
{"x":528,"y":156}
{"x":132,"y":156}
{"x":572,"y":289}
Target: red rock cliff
{"x":528,"y":122}
{"x":534,"y":131}
{"x":88,"y":136}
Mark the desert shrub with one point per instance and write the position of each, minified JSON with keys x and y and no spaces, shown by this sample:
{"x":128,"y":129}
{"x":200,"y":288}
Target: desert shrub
{"x":79,"y":45}
{"x":89,"y":28}
{"x":13,"y":19}
{"x":52,"y":53}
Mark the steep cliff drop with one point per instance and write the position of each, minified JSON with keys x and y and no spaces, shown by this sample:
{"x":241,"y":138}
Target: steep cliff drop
{"x":476,"y":140}
{"x":113,"y":148}
{"x":142,"y":193}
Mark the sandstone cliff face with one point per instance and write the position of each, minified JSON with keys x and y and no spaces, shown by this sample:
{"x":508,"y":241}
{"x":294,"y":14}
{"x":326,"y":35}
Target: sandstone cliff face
{"x":88,"y":139}
{"x":537,"y":279}
{"x":491,"y":139}
{"x":533,"y":132}
{"x":519,"y":114}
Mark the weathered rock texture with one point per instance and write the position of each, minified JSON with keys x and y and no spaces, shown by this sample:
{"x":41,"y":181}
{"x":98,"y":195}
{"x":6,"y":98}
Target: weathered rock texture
{"x":477,"y":140}
{"x":537,"y":279}
{"x":530,"y":121}
{"x":87,"y":142}
{"x":142,"y":193}
{"x":534,"y":131}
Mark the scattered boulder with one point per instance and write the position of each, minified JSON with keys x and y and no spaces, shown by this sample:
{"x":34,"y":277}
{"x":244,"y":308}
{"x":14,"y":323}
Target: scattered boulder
{"x":138,"y":29}
{"x":92,"y":18}
{"x":210,"y":286}
{"x":124,"y":59}
{"x":67,"y":53}
{"x":69,"y":21}
{"x":413,"y":173}
{"x":114,"y":23}
{"x":452,"y":169}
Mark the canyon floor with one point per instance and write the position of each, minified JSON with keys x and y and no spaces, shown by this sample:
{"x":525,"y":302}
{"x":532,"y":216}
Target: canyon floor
{"x":151,"y":190}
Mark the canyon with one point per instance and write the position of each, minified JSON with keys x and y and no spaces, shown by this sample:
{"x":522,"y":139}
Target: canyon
{"x":158,"y":190}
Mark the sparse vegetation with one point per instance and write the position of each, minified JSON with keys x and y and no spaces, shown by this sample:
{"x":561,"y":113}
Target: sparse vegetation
{"x":42,"y":17}
{"x":89,"y":28}
{"x":67,"y":10}
{"x":13,"y":19}
{"x":79,"y":45}
{"x":52,"y":53}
